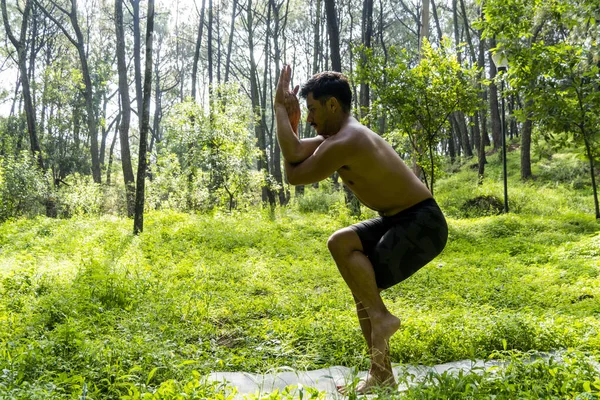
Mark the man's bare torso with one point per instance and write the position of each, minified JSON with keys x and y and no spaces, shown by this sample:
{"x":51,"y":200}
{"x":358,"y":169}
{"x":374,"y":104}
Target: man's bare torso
{"x":375,"y":173}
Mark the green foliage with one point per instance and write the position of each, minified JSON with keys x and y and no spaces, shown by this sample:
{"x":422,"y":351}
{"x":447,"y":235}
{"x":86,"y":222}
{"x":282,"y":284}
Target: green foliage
{"x":11,"y":135}
{"x":553,"y":54}
{"x":22,"y":186}
{"x":418,"y":100}
{"x":216,"y":150}
{"x":80,"y":196}
{"x":324,"y":200}
{"x":89,"y":310}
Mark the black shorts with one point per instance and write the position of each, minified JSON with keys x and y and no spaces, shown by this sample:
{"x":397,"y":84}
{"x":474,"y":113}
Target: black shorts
{"x":399,"y":245}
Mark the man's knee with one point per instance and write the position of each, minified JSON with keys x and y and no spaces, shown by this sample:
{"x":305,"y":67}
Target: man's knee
{"x":343,"y":242}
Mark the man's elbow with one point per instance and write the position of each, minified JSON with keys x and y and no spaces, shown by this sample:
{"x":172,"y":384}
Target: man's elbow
{"x":292,"y":176}
{"x":293,"y":179}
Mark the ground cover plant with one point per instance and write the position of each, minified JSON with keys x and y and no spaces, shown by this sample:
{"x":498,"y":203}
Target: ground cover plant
{"x":90,"y":311}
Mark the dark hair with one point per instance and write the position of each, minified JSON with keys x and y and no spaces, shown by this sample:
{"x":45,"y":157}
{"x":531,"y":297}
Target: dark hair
{"x":329,"y":84}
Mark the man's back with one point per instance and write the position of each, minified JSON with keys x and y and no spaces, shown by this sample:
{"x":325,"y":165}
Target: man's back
{"x":374,"y":172}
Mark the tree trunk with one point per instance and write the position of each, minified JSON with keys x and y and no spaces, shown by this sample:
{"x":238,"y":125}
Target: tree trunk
{"x":334,"y":36}
{"x":494,"y":111}
{"x":197,"y":52}
{"x":255,"y":98}
{"x":424,"y":25}
{"x":21,"y":48}
{"x":590,"y":156}
{"x":210,"y":51}
{"x":276,"y":159}
{"x":128,"y":177}
{"x":138,"y":225}
{"x":367,"y":33}
{"x":526,"y":147}
{"x":230,"y":43}
{"x":137,"y":57}
{"x":111,"y":150}
{"x":485,"y":140}
{"x":437,"y":22}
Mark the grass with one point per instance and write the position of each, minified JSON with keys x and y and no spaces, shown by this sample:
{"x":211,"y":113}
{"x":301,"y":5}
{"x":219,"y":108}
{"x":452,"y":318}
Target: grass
{"x":90,"y":311}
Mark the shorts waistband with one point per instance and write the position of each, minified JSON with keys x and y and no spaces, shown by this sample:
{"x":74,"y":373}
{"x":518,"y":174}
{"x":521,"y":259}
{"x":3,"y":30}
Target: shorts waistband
{"x":425,"y":203}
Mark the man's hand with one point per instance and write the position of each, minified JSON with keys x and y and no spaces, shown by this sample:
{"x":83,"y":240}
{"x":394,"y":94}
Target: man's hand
{"x":286,"y":98}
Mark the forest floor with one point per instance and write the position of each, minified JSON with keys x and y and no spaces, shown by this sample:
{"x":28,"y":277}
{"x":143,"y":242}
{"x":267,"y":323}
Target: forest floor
{"x":89,"y":311}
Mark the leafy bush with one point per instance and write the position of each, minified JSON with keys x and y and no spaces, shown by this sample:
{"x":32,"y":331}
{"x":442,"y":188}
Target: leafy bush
{"x":215,"y":150}
{"x":80,"y":196}
{"x":566,"y":168}
{"x":324,"y":199}
{"x":482,"y":206}
{"x":22,"y":187}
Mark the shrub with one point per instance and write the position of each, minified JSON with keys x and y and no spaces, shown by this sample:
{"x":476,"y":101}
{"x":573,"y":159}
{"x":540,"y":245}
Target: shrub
{"x":22,"y":187}
{"x":80,"y":196}
{"x":482,"y":206}
{"x":323,"y":200}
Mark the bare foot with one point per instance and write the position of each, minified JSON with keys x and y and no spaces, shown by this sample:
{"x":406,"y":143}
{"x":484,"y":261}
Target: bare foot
{"x":381,"y":330}
{"x":374,"y":380}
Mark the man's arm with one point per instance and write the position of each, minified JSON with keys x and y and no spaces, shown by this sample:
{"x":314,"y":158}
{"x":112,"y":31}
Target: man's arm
{"x":294,"y":150}
{"x":330,"y":156}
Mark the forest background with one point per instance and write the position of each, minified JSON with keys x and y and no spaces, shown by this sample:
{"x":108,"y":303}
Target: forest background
{"x":196,"y":121}
{"x":110,"y":111}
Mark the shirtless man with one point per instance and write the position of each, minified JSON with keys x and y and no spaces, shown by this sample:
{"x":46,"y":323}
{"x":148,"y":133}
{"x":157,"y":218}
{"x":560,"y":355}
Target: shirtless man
{"x":375,"y":254}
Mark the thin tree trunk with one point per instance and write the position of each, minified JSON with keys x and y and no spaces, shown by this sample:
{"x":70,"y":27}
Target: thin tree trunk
{"x":424,"y":25}
{"x":138,"y":225}
{"x":210,"y":51}
{"x":125,"y":105}
{"x":112,"y":148}
{"x":21,"y":48}
{"x":197,"y":52}
{"x":485,"y":140}
{"x":526,"y":150}
{"x":276,"y":164}
{"x":367,"y":33}
{"x":230,"y":43}
{"x":255,"y":98}
{"x":137,"y":57}
{"x":437,"y":22}
{"x":590,"y":156}
{"x":495,"y":113}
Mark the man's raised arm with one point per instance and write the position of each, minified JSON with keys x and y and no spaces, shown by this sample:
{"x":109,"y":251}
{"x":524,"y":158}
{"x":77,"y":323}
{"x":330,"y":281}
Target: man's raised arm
{"x":286,"y":107}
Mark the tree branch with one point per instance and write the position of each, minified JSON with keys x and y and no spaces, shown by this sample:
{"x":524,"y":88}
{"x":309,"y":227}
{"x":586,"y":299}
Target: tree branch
{"x":58,"y":24}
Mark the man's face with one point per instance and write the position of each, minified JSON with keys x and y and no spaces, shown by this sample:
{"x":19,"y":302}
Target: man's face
{"x":317,"y":114}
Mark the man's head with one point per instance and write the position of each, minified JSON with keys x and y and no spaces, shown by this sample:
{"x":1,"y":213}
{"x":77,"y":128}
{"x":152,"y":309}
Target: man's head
{"x":328,"y":98}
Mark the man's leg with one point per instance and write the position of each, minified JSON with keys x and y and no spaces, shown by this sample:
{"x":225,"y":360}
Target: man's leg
{"x":356,"y":269}
{"x":365,"y":323}
{"x":365,"y":327}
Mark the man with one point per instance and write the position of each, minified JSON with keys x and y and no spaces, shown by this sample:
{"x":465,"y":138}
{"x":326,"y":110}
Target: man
{"x":378,"y":253}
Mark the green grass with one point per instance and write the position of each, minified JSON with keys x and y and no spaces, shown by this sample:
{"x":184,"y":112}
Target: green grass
{"x":86,"y":307}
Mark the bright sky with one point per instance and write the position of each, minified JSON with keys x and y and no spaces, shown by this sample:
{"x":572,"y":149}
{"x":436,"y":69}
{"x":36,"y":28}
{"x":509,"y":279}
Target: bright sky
{"x":187,"y":9}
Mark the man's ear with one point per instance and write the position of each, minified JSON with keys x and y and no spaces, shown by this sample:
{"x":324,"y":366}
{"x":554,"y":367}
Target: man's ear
{"x":333,"y":104}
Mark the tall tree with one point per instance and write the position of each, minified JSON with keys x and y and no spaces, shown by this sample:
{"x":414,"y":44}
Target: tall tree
{"x":79,"y":42}
{"x":493,"y":92}
{"x":21,"y":48}
{"x":424,"y":35}
{"x":138,"y":224}
{"x":230,"y":40}
{"x":334,"y":36}
{"x":262,"y":162}
{"x":137,"y":57}
{"x":197,"y":52}
{"x":210,"y":46}
{"x":125,"y":105}
{"x":367,"y":34}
